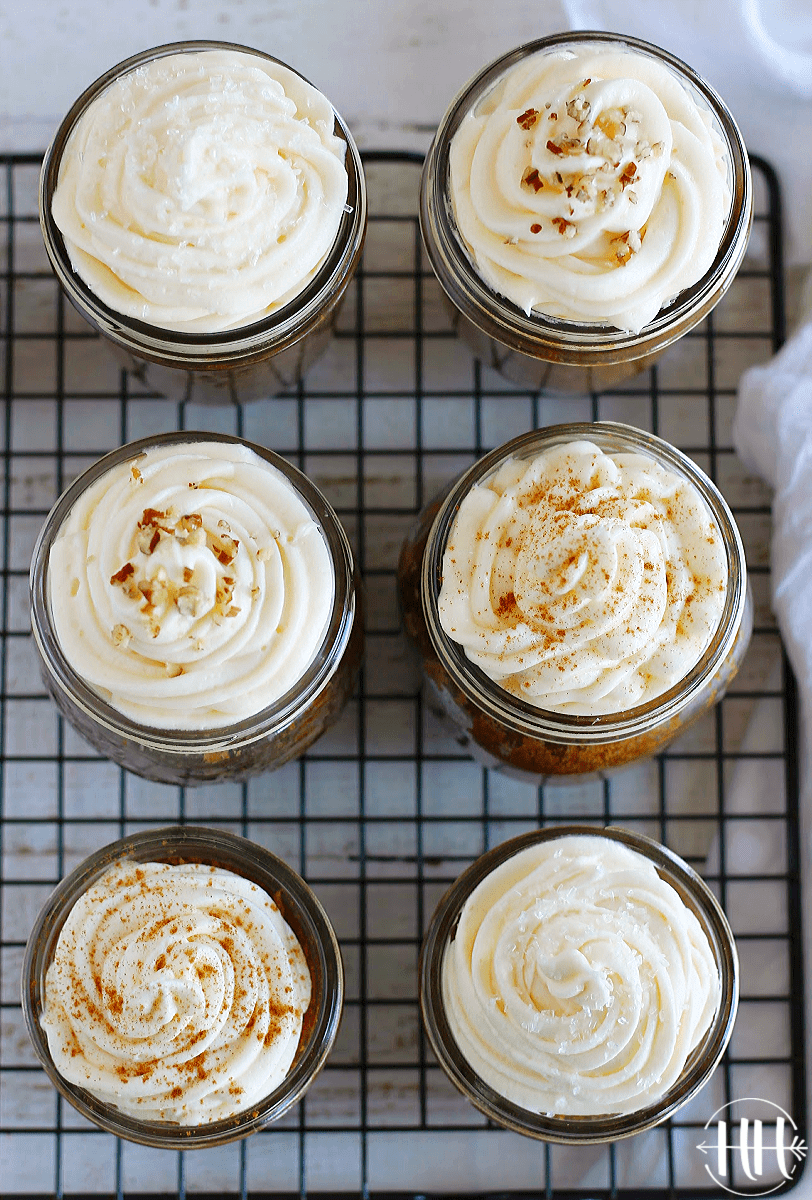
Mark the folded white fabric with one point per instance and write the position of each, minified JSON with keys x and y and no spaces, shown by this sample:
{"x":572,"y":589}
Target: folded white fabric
{"x":773,"y":436}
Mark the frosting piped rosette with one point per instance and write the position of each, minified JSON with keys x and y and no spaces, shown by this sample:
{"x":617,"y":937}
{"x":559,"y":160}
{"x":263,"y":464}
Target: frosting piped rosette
{"x":202,"y":191}
{"x":176,"y":992}
{"x":190,"y":586}
{"x":589,"y":184}
{"x":578,"y":982}
{"x":583,"y":581}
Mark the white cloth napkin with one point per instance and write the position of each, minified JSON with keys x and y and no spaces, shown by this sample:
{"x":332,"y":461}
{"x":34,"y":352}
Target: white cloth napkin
{"x":773,"y":436}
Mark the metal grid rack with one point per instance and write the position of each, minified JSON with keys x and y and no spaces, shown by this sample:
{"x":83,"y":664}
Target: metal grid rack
{"x":385,"y":811}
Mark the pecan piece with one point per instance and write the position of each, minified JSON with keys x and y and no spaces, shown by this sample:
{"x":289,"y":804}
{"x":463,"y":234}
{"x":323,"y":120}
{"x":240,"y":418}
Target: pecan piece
{"x":124,"y":574}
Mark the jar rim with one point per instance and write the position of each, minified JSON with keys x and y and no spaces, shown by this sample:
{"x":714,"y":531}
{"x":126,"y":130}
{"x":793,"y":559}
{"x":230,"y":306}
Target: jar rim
{"x":700,"y":1064}
{"x":299,"y":902}
{"x":540,"y":335}
{"x":531,"y":720}
{"x":276,"y":716}
{"x":274,"y":332}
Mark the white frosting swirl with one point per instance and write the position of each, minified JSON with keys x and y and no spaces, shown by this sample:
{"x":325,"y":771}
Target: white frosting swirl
{"x":578,"y":982}
{"x":176,"y":993}
{"x":582,"y":581}
{"x":202,"y":191}
{"x":589,"y":184}
{"x":190,"y":586}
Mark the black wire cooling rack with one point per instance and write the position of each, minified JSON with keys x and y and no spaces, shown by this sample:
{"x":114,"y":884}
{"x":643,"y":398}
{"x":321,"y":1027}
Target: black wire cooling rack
{"x":386,"y":810}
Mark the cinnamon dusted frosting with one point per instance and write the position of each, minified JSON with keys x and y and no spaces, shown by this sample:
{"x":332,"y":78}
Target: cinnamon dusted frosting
{"x":202,"y":191}
{"x":578,"y":982}
{"x":583,"y":581}
{"x":190,"y":586}
{"x":175,"y":993}
{"x":590,"y":184}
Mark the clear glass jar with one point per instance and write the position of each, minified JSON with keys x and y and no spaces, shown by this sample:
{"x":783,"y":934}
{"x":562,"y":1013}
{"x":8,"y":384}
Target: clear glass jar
{"x":255,"y":360}
{"x":277,"y":734}
{"x":579,"y":1130}
{"x":504,"y":731}
{"x":536,"y":351}
{"x":299,"y":907}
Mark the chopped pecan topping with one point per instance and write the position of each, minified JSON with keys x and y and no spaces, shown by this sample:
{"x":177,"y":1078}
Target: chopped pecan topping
{"x":532,"y":179}
{"x":148,"y":539}
{"x":625,"y":245}
{"x":571,"y":145}
{"x":121,"y":636}
{"x":124,"y":574}
{"x":579,"y":108}
{"x":224,"y":548}
{"x":553,"y":148}
{"x":152,"y":516}
{"x":528,"y":118}
{"x":188,"y":601}
{"x":564,"y":227}
{"x":611,"y":123}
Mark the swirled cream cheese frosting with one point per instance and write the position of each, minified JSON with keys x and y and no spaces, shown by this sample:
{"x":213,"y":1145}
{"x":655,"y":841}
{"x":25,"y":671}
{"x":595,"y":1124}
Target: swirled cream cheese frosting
{"x":175,"y":993}
{"x":578,"y":982}
{"x":583,"y":581}
{"x":190,"y":586}
{"x":589,"y":184}
{"x":202,"y":191}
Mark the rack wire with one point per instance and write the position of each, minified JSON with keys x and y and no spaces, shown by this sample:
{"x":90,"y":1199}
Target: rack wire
{"x":386,"y":810}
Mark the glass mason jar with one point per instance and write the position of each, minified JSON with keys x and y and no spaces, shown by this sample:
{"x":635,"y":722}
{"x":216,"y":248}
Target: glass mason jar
{"x":263,"y":742}
{"x":538,"y":351}
{"x":579,"y":1130}
{"x":502,"y":730}
{"x":300,"y":909}
{"x":255,"y":360}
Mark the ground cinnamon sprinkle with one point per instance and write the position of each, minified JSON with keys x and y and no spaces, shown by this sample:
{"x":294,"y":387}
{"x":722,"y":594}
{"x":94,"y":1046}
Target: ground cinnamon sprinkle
{"x":96,"y":1003}
{"x":565,"y":598}
{"x":507,"y":605}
